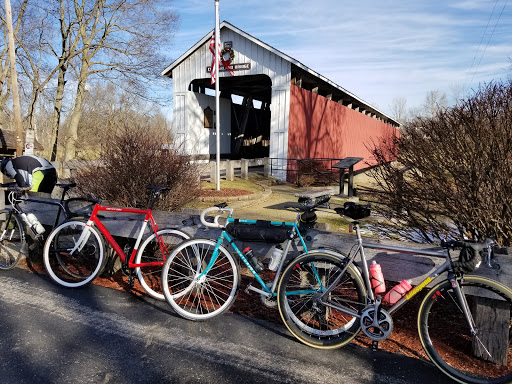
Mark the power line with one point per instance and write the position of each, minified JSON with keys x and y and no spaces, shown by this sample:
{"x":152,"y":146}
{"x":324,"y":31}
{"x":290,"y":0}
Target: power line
{"x":490,"y":37}
{"x":483,"y":35}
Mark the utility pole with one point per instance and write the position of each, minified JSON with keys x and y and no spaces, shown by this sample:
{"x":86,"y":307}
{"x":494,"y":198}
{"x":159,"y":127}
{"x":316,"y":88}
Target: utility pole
{"x":14,"y":80}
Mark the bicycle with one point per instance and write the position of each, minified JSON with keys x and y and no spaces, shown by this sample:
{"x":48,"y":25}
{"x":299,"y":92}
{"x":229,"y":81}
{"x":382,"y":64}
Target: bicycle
{"x":15,"y":223}
{"x":326,"y":301}
{"x":74,"y":253}
{"x":200,"y":278}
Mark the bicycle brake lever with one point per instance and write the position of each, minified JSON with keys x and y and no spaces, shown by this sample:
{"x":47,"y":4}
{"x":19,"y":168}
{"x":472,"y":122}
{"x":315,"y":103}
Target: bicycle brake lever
{"x":489,"y":258}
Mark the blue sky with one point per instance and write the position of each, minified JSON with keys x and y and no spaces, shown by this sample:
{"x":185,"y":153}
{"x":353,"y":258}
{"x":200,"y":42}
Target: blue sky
{"x":378,"y":50}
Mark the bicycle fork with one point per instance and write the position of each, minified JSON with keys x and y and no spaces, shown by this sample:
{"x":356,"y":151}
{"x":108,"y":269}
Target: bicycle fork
{"x":82,"y":240}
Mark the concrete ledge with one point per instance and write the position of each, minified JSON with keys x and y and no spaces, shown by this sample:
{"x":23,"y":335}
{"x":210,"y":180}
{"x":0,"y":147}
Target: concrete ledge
{"x":254,"y":196}
{"x":395,"y":265}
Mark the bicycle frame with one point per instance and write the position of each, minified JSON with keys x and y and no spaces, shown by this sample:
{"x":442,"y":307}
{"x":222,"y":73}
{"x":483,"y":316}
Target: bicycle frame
{"x":446,"y":266}
{"x":225,"y":236}
{"x":94,"y":220}
{"x":16,"y":209}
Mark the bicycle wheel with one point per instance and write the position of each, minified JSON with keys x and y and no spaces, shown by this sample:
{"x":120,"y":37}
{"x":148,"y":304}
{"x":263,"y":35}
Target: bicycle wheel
{"x":151,"y":252}
{"x":310,"y":321}
{"x":194,"y":295}
{"x":73,"y":269}
{"x":484,"y":357}
{"x":12,"y":240}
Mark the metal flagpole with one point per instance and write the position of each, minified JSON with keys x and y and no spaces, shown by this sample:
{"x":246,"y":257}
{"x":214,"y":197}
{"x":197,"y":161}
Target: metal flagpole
{"x":217,"y":103}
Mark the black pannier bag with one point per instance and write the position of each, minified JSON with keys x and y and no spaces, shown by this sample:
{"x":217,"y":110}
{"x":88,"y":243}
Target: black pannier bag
{"x":261,"y":231}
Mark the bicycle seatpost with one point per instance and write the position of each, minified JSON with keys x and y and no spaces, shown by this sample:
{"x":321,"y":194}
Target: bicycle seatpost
{"x":153,"y":199}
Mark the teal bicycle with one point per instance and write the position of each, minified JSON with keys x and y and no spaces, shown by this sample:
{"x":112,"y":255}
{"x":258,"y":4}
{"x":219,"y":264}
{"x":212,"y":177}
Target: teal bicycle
{"x":202,"y":291}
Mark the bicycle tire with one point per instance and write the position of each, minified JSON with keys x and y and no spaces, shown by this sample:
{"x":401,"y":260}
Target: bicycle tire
{"x":446,"y":338}
{"x":204,"y":298}
{"x":13,"y":244}
{"x":81,"y":267}
{"x":150,"y":277}
{"x":307,"y":319}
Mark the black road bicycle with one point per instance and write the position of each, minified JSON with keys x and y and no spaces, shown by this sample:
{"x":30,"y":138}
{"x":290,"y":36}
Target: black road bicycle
{"x":464,"y":321}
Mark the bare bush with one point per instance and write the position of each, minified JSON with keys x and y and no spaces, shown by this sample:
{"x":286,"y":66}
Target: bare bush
{"x":314,"y":173}
{"x":133,"y":158}
{"x":453,"y":171}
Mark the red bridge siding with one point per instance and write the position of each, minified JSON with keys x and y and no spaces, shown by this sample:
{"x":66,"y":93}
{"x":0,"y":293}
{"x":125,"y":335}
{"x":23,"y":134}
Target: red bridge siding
{"x":319,"y":127}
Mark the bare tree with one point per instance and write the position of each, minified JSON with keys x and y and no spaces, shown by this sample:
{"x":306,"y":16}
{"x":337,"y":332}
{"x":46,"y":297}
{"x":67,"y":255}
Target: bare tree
{"x":119,"y":41}
{"x":434,"y":101}
{"x":106,"y":109}
{"x":5,"y":78}
{"x":453,"y":171}
{"x":79,"y":42}
{"x":399,"y":109}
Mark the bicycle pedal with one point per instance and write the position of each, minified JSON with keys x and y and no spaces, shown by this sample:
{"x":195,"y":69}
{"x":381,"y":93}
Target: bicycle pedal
{"x":248,"y":288}
{"x":131,"y":281}
{"x":375,"y":345}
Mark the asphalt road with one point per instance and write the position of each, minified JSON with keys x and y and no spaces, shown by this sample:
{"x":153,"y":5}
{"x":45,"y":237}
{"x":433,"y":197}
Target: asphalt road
{"x":98,"y":335}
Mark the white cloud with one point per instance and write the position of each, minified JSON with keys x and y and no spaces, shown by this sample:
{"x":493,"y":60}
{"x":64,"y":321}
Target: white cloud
{"x":376,"y":50}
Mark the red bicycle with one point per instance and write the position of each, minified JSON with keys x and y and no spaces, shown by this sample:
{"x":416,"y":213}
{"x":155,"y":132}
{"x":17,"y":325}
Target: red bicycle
{"x":74,"y":252}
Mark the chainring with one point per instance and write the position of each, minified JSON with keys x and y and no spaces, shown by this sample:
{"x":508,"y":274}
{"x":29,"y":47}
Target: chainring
{"x":376,"y":328}
{"x":270,"y":302}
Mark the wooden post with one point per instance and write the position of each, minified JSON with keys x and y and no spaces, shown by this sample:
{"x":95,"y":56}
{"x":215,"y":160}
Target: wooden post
{"x":266,"y":167}
{"x":351,"y":181}
{"x":342,"y":181}
{"x":230,"y":172}
{"x":213,"y":172}
{"x":245,"y":168}
{"x":492,"y":318}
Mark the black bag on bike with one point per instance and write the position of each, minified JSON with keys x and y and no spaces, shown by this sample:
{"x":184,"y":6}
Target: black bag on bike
{"x":356,"y":211}
{"x":469,"y":260}
{"x":261,"y":231}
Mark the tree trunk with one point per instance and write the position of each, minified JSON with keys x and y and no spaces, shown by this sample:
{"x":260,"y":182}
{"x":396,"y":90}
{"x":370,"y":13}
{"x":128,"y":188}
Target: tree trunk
{"x":61,"y":82}
{"x":72,"y":130}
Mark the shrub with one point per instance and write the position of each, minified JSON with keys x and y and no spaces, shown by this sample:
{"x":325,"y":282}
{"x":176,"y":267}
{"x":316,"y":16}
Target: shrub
{"x":133,"y":158}
{"x":314,"y":173}
{"x":453,"y":171}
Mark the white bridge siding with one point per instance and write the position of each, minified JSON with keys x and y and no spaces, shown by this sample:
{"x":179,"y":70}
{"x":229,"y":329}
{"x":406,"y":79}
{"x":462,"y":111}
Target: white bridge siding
{"x":189,"y":106}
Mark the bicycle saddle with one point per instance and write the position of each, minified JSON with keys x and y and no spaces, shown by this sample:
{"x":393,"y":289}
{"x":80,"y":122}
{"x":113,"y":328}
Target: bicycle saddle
{"x":158,"y":188}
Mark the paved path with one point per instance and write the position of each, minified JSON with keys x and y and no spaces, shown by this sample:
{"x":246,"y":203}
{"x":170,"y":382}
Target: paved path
{"x":99,"y":335}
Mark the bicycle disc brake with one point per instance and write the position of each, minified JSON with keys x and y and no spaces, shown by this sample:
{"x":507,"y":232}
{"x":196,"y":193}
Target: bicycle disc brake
{"x":376,"y":325}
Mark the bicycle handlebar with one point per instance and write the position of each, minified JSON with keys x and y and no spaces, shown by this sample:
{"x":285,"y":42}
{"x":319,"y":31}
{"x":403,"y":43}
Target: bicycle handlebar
{"x":215,"y":223}
{"x":463,"y":243}
{"x":477,"y":247}
{"x":14,"y":188}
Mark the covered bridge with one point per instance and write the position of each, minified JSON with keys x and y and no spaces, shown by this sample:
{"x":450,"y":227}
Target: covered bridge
{"x":272,"y":106}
